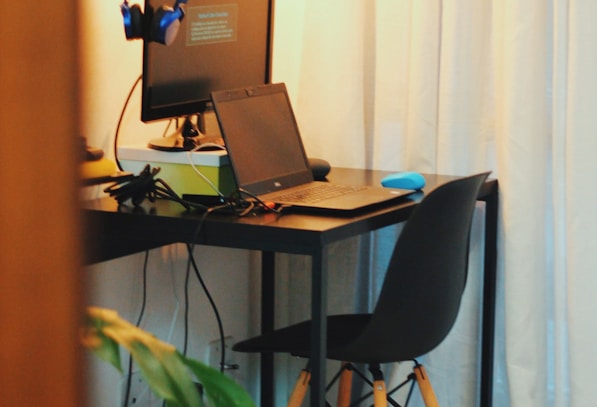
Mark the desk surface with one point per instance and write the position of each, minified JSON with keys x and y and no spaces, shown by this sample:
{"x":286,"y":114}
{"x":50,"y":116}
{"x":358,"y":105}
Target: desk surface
{"x":114,"y":232}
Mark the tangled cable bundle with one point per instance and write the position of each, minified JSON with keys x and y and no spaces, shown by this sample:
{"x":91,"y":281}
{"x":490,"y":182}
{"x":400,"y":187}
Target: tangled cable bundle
{"x":143,"y":186}
{"x":147,"y":186}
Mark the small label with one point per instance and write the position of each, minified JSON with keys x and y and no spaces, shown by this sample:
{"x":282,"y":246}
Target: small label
{"x":212,"y":24}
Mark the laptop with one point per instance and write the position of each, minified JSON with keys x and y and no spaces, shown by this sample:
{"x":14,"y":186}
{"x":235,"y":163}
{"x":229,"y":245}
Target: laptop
{"x":268,"y":158}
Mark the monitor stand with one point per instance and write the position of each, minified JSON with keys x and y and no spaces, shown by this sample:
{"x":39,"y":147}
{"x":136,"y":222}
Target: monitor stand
{"x":190,"y":136}
{"x":185,"y":138}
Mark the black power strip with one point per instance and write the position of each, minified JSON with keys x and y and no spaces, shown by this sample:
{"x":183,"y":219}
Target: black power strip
{"x":207,"y":200}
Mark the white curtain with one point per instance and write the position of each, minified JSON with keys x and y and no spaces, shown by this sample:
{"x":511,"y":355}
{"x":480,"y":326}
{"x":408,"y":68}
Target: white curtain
{"x":456,"y":87}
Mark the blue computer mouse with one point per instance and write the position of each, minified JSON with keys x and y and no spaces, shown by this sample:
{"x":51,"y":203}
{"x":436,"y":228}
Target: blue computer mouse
{"x":404,"y":180}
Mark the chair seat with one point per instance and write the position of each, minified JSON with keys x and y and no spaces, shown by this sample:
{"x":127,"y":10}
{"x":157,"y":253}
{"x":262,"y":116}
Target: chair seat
{"x":296,"y":339}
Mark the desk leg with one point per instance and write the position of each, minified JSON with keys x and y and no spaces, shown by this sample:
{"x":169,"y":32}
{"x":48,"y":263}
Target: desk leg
{"x":489,"y":298}
{"x":318,"y":334}
{"x":319,"y":280}
{"x":268,"y":268}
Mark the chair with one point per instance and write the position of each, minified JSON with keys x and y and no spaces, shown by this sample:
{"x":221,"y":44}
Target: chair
{"x":416,"y":308}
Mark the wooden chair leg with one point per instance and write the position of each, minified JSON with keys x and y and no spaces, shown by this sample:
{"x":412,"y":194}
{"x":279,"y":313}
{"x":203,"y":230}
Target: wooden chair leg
{"x":344,"y":386}
{"x":425,"y":387}
{"x":300,"y":389}
{"x":380,"y":394}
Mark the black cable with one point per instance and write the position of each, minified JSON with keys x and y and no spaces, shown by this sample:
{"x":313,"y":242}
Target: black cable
{"x":145,"y":185}
{"x":139,"y":318}
{"x":186,"y":315}
{"x":262,"y":205}
{"x":241,"y":208}
{"x":213,"y":305}
{"x":186,"y":308}
{"x":144,"y":297}
{"x":186,"y":287}
{"x":117,"y":132}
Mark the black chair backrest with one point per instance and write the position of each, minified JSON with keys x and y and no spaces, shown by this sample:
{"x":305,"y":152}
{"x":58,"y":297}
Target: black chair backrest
{"x":425,"y":279}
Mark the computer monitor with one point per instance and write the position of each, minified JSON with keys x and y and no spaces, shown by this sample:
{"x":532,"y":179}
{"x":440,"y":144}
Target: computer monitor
{"x":221,"y":44}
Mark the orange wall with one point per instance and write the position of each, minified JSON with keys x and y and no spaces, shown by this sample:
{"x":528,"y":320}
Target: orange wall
{"x":40,"y":287}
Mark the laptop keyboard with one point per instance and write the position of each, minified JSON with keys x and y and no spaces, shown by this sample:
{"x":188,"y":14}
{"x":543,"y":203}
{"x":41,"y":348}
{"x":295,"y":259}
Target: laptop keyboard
{"x":316,"y":193}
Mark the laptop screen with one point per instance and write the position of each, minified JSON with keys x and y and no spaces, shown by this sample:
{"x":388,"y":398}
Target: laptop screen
{"x":262,"y":138}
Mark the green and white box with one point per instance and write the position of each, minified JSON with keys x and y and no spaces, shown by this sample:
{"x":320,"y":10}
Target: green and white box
{"x":180,"y":169}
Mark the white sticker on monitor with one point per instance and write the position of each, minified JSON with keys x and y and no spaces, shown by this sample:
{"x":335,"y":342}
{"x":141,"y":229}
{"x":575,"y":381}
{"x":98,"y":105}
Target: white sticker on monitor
{"x":211,"y":24}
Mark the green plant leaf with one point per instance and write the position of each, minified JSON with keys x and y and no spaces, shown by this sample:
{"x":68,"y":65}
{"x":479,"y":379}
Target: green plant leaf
{"x":166,"y":374}
{"x":221,"y":390}
{"x":166,"y":370}
{"x":159,"y":362}
{"x":93,"y":338}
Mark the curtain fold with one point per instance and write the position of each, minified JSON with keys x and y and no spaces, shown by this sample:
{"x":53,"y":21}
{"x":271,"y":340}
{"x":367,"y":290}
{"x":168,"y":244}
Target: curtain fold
{"x":576,"y":212}
{"x":457,"y":87}
{"x":522,"y":140}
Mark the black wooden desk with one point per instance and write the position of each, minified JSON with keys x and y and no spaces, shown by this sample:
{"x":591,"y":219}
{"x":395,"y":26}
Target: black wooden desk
{"x":113,"y":233}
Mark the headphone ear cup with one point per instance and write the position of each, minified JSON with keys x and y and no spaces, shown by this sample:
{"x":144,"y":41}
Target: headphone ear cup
{"x":133,"y":21}
{"x":165,"y":24}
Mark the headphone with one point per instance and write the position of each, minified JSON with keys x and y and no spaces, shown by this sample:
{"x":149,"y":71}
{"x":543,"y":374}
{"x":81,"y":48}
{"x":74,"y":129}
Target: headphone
{"x":162,"y":28}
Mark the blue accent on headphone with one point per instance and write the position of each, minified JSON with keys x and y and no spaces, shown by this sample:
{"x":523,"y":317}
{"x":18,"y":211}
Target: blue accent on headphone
{"x":166,"y":22}
{"x":163,"y":27}
{"x":133,"y":20}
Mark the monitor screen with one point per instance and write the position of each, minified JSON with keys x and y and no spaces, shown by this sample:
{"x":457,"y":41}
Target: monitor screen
{"x":221,"y":44}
